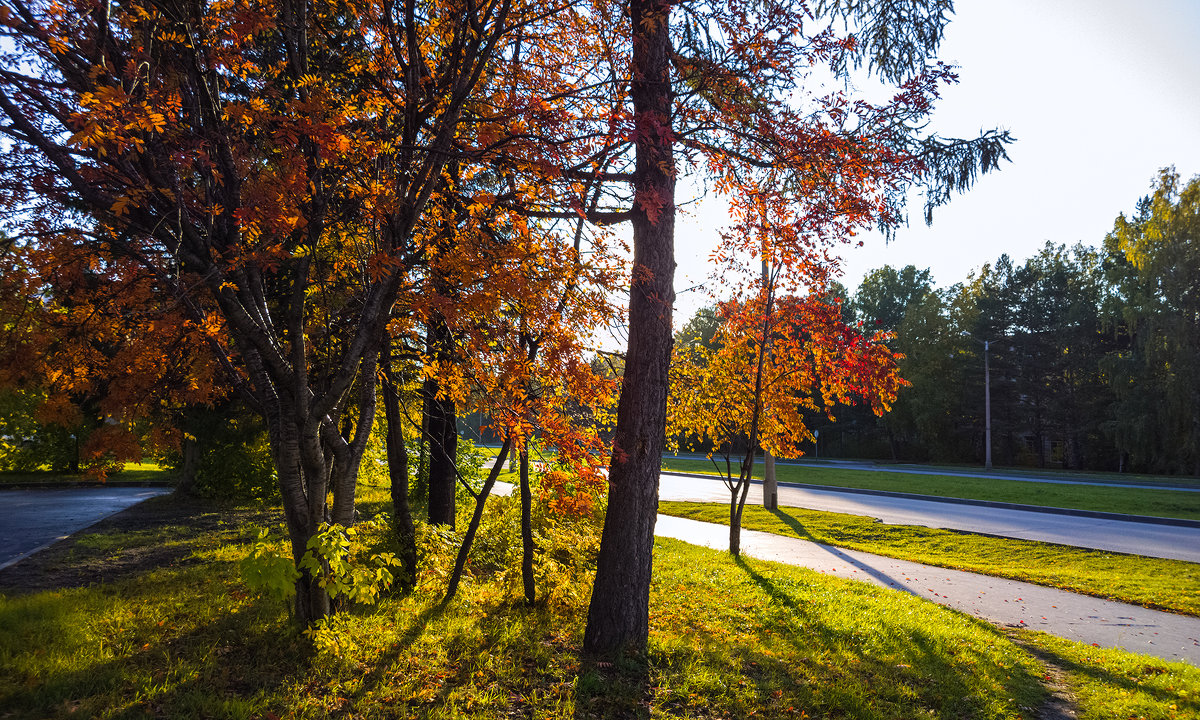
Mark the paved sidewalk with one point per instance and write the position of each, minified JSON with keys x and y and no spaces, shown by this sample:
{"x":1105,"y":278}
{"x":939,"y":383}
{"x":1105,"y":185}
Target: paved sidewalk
{"x":1000,"y":601}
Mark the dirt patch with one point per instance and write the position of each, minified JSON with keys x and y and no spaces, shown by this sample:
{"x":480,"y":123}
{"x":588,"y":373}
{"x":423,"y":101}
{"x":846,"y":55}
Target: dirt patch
{"x":160,"y":532}
{"x":1060,"y":704}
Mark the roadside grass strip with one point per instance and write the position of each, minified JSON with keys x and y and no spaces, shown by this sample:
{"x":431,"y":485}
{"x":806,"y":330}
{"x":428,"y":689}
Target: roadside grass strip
{"x":1107,"y":684}
{"x":728,"y":638}
{"x":132,"y":473}
{"x":1171,"y":585}
{"x":1130,"y":501}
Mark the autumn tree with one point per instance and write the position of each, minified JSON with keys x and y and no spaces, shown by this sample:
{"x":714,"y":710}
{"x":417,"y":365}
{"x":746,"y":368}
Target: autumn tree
{"x":776,"y":361}
{"x":730,"y":90}
{"x":268,"y":167}
{"x":99,"y":360}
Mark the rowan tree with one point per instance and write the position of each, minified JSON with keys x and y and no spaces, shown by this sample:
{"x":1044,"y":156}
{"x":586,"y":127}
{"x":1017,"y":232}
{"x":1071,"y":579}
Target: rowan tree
{"x":774,"y":362}
{"x":732,"y":91}
{"x":271,"y":161}
{"x":107,"y":362}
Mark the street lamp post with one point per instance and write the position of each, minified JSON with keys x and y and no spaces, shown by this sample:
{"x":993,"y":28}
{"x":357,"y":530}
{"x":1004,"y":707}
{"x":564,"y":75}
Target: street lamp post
{"x":987,"y":408}
{"x":987,"y":401}
{"x":770,"y":486}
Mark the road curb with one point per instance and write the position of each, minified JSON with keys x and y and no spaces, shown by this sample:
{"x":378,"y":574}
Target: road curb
{"x":83,"y":483}
{"x":1148,"y":519}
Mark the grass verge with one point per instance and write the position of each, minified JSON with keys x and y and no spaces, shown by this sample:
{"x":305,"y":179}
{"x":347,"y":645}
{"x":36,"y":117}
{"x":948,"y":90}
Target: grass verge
{"x":1172,"y":585}
{"x":1132,"y":501}
{"x":1106,"y":684}
{"x":132,"y":472}
{"x":182,"y":638}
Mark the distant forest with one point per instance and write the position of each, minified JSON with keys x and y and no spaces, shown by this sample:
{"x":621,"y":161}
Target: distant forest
{"x":1094,"y":353}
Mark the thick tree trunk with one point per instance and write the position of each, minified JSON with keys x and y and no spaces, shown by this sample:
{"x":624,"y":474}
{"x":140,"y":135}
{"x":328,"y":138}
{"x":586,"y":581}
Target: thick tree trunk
{"x":618,"y":617}
{"x":397,"y":458}
{"x":527,"y":529}
{"x":443,"y":448}
{"x":186,"y":484}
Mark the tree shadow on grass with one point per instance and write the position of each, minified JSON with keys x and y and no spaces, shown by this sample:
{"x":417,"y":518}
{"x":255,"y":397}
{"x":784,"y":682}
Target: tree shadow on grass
{"x":1098,"y":674}
{"x":209,"y":670}
{"x":933,"y":668}
{"x":377,"y":675}
{"x":620,"y":689}
{"x":798,"y":528}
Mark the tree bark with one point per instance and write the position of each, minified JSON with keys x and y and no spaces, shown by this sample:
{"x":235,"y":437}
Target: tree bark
{"x":460,"y":562}
{"x":527,"y":529}
{"x":397,"y":459}
{"x":618,"y":616}
{"x":443,"y":449}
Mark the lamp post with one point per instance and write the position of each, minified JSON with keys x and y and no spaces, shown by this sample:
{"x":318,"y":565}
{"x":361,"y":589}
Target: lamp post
{"x":987,"y":408}
{"x":987,"y":401}
{"x":770,"y":486}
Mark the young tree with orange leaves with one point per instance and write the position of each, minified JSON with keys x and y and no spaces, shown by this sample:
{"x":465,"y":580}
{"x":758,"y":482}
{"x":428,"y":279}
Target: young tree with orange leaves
{"x":773,"y":360}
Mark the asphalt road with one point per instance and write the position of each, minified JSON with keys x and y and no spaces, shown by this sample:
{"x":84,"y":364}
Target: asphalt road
{"x":1165,"y":541}
{"x":997,"y":600}
{"x":33,"y":519}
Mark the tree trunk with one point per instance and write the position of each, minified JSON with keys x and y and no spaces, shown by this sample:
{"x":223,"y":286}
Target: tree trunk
{"x":737,"y":504}
{"x":397,"y":459}
{"x":460,"y":562}
{"x":190,"y":449}
{"x":443,"y":448}
{"x":770,"y":485}
{"x":526,"y":528}
{"x":618,"y":616}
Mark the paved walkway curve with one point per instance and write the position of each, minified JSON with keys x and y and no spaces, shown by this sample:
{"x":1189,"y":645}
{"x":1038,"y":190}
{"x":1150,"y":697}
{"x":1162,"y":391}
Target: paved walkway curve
{"x":1136,"y":538}
{"x":997,"y":600}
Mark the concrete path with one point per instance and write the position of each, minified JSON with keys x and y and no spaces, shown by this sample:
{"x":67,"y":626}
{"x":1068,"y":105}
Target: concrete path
{"x":1165,"y":541}
{"x":1020,"y":476}
{"x":1003,"y":602}
{"x":34,"y":519}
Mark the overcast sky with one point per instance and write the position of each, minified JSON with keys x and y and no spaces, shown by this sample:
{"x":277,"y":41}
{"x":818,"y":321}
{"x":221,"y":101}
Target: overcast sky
{"x":1100,"y":94}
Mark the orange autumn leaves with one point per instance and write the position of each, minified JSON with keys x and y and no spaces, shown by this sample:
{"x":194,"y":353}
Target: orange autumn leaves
{"x":813,"y":361}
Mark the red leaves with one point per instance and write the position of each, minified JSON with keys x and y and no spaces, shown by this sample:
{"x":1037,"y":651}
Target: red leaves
{"x":812,"y":362}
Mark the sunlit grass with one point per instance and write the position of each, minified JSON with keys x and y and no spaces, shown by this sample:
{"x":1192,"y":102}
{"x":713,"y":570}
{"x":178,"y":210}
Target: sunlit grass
{"x":1133,"y":501}
{"x":1172,"y":585}
{"x":131,"y":473}
{"x":728,"y":639}
{"x":1110,"y":684}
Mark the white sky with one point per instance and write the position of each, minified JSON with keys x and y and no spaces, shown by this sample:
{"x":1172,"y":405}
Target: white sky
{"x":1099,"y":94}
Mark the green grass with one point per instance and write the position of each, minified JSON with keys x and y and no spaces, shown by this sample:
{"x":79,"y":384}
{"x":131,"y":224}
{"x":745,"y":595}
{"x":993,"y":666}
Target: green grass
{"x":728,"y":638}
{"x":1110,"y":684}
{"x":1172,"y":585}
{"x":1133,"y":501}
{"x":1090,"y":476}
{"x":133,"y":472}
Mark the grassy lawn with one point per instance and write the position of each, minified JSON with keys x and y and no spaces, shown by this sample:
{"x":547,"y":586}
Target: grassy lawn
{"x":1172,"y":585}
{"x":133,"y":472}
{"x":177,"y":635}
{"x":1091,"y":476}
{"x":1133,"y":501}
